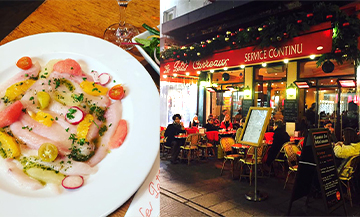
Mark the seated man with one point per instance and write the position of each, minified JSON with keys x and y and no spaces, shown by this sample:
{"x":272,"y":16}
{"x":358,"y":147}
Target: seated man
{"x":210,"y":125}
{"x":171,"y":131}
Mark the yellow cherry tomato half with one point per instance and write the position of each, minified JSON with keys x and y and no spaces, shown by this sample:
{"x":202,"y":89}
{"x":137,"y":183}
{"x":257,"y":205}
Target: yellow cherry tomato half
{"x":48,"y":152}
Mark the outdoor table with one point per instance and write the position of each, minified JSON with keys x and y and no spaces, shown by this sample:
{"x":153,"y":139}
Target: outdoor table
{"x":192,"y":130}
{"x":240,"y":146}
{"x":91,"y":18}
{"x":227,"y":133}
{"x":180,"y":136}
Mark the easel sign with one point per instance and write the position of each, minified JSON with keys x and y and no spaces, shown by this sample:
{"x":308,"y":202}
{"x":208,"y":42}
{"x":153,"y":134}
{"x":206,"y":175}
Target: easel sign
{"x":317,"y":168}
{"x":255,"y":126}
{"x":252,"y":134}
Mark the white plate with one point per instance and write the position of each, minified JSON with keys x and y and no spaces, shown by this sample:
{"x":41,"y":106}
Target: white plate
{"x":122,"y":172}
{"x":144,"y":35}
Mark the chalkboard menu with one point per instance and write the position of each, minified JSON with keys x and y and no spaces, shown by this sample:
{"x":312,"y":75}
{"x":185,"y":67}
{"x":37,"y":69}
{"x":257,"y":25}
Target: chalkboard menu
{"x":290,"y":110}
{"x":246,"y":104}
{"x":317,"y":159}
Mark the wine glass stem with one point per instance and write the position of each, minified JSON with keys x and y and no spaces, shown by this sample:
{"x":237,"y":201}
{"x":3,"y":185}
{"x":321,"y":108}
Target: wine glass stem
{"x":122,"y":14}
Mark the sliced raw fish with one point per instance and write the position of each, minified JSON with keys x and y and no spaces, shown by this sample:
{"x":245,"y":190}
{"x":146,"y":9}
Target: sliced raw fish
{"x":21,"y":76}
{"x":33,"y":140}
{"x":18,"y":175}
{"x":113,"y":116}
{"x":55,"y":133}
{"x":119,"y":136}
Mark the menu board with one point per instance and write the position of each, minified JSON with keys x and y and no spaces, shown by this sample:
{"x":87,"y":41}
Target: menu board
{"x":327,"y":171}
{"x":255,"y":126}
{"x":290,"y":110}
{"x":246,"y":104}
{"x":317,"y":159}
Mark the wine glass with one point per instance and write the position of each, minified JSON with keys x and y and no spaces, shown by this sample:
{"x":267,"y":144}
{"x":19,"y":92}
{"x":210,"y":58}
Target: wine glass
{"x":121,"y":33}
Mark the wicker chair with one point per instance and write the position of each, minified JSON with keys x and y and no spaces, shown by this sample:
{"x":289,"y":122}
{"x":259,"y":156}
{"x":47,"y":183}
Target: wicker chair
{"x":346,"y":174}
{"x":279,"y":160}
{"x":290,"y":150}
{"x":189,"y":150}
{"x":226,"y":144}
{"x":249,"y":160}
{"x":205,"y":145}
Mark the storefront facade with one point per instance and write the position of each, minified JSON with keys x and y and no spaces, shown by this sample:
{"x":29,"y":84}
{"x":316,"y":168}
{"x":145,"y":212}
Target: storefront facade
{"x":235,"y":78}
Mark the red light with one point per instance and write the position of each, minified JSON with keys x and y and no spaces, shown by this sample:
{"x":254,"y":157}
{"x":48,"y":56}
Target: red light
{"x":347,"y":83}
{"x":302,"y":84}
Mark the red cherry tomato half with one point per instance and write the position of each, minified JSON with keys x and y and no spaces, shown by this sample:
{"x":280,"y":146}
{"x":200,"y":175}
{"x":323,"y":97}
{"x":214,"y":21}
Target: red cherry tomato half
{"x":117,"y":92}
{"x":24,"y":63}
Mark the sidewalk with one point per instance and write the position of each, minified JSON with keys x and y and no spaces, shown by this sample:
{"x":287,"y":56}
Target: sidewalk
{"x":199,"y":190}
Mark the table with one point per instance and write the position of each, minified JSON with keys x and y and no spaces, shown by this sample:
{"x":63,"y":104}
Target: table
{"x":90,"y":17}
{"x":227,"y":133}
{"x":182,"y":136}
{"x":240,"y":146}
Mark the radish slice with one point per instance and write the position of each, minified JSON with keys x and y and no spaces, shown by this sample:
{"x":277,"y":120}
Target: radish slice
{"x":95,"y":76}
{"x":74,"y":115}
{"x":104,"y":78}
{"x":155,"y":58}
{"x":72,"y":182}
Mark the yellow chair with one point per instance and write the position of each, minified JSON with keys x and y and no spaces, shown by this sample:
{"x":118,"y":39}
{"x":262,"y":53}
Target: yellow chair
{"x":346,"y":174}
{"x":249,"y":160}
{"x":291,"y":150}
{"x":189,"y":150}
{"x":226,"y":143}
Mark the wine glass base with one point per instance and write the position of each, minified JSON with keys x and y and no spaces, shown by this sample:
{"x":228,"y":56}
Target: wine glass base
{"x":121,"y":35}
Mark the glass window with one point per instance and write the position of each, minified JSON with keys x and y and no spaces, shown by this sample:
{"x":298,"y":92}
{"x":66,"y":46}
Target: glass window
{"x":349,"y":105}
{"x":177,"y":98}
{"x":327,"y":106}
{"x":277,"y":95}
{"x":270,"y":73}
{"x":310,"y":70}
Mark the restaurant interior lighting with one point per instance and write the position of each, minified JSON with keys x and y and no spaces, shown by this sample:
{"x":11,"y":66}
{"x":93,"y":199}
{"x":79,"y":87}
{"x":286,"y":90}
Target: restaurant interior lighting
{"x":291,"y":90}
{"x":263,"y":64}
{"x":212,"y":71}
{"x":164,"y":76}
{"x":302,"y":84}
{"x":225,"y":68}
{"x":286,"y":61}
{"x":187,"y":73}
{"x":175,"y":75}
{"x":312,"y":56}
{"x":211,"y":89}
{"x":319,"y":48}
{"x":347,"y":82}
{"x":231,"y":88}
{"x":198,"y":72}
{"x":247,"y":91}
{"x":242,"y":66}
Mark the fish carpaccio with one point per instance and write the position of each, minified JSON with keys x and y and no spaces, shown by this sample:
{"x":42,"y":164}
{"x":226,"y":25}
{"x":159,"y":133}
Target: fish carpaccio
{"x":38,"y":107}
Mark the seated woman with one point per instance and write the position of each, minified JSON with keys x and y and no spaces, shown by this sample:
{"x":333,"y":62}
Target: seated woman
{"x":350,"y":147}
{"x":226,"y":123}
{"x":210,"y":125}
{"x":280,"y":138}
{"x":194,"y":122}
{"x":171,"y":131}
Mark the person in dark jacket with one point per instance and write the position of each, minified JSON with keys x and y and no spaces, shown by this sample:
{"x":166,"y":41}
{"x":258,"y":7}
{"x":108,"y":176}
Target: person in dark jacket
{"x":280,"y":138}
{"x":171,"y":131}
{"x":311,"y":116}
{"x":210,"y":125}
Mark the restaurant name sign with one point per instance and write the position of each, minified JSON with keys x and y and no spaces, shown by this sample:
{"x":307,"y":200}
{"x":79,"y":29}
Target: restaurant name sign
{"x":298,"y":47}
